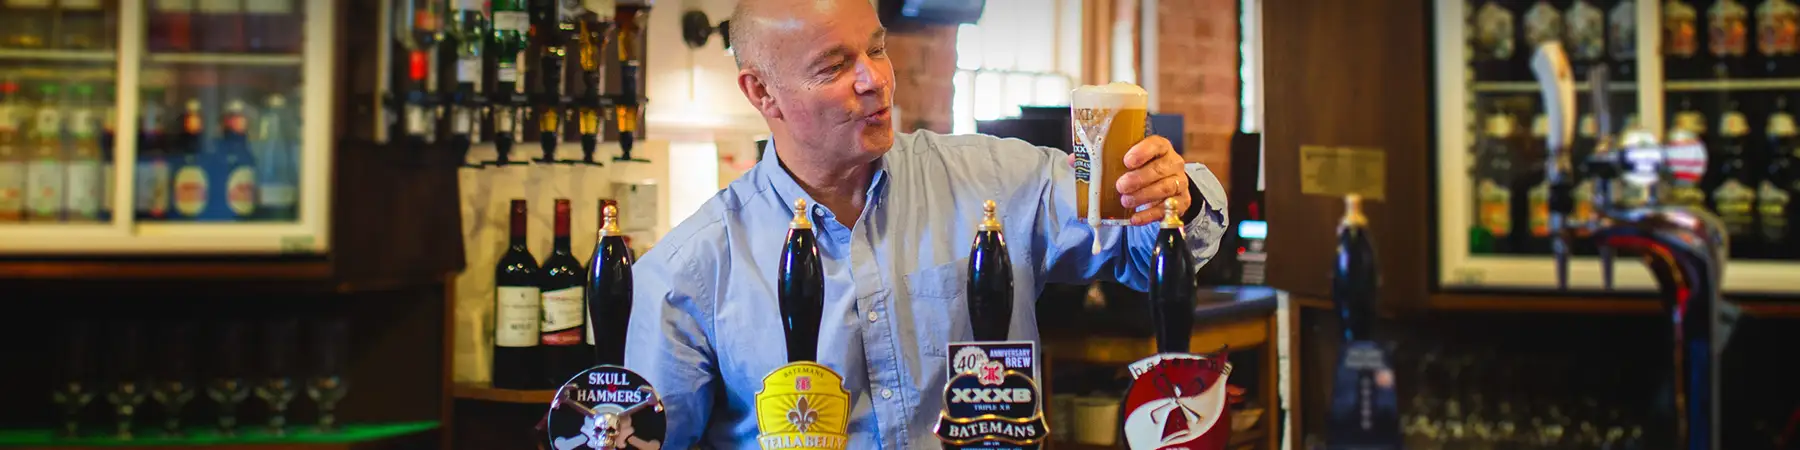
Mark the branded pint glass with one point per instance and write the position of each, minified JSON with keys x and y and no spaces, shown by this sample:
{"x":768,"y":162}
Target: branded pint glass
{"x":1106,"y":121}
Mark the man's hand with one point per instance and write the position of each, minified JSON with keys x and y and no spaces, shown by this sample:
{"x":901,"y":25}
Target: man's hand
{"x":1156,"y":173}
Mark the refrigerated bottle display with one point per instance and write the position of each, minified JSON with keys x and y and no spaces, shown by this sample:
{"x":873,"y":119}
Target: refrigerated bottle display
{"x":84,"y":179}
{"x":1778,"y":36}
{"x":13,"y":145}
{"x":45,"y":172}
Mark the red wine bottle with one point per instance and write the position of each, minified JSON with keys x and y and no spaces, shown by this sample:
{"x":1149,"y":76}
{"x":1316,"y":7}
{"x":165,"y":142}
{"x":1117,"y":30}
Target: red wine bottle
{"x":609,"y":289}
{"x":561,"y":332}
{"x":517,"y":308}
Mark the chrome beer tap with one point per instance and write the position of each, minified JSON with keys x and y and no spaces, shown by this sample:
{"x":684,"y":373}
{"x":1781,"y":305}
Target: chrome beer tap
{"x":1684,"y":248}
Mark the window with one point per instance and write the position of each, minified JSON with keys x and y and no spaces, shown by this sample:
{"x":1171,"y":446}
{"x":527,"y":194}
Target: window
{"x":1014,"y":56}
{"x":1250,"y":65}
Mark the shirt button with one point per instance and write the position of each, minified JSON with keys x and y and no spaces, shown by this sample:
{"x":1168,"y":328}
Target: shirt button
{"x":887,"y":393}
{"x":872,"y":316}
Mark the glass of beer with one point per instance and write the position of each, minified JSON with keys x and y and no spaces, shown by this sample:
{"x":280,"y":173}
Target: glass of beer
{"x":1107,"y":120}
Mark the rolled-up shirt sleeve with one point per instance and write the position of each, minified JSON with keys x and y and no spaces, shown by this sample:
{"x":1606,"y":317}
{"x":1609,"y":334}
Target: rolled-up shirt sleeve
{"x":1066,"y":241}
{"x":669,"y":346}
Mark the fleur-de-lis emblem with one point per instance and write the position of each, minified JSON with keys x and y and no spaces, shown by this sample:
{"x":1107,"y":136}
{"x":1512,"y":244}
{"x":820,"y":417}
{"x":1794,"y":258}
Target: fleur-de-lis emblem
{"x":802,"y":416}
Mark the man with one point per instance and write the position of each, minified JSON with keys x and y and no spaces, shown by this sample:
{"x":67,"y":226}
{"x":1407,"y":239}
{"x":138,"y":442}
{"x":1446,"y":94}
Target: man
{"x":894,"y":218}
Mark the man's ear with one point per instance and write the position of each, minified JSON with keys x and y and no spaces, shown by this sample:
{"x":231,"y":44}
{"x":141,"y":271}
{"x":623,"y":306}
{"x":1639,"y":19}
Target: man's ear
{"x":758,"y":94}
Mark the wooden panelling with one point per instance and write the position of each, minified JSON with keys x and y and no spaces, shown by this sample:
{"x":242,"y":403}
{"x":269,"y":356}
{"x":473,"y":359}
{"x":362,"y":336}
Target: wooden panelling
{"x":1341,"y":73}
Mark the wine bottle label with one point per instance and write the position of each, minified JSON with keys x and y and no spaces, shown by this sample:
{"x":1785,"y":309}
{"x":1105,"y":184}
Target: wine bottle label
{"x":1727,"y":28}
{"x":1587,"y":31}
{"x":1777,"y":23}
{"x":28,"y":3}
{"x":269,"y":6}
{"x":12,"y":187}
{"x":1681,"y":34}
{"x":472,"y":5}
{"x":516,"y":316}
{"x":562,"y":317}
{"x":507,"y":75}
{"x":1540,"y":210}
{"x":989,"y":402}
{"x":1734,"y":201}
{"x":460,"y":121}
{"x":1543,"y":24}
{"x":190,"y":190}
{"x":1771,"y":205}
{"x":512,"y":21}
{"x":1494,"y":32}
{"x":468,"y":69}
{"x":803,"y":405}
{"x":277,"y":195}
{"x":44,"y":187}
{"x":161,"y":187}
{"x":1495,"y":208}
{"x":175,"y":6}
{"x":1177,"y":400}
{"x":240,"y":191}
{"x":79,"y":4}
{"x":9,"y":121}
{"x":219,"y":6}
{"x":83,"y":188}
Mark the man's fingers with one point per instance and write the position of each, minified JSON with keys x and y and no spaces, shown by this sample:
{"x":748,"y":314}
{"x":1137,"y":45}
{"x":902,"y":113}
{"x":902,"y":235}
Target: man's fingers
{"x":1147,"y":150}
{"x":1147,"y":216}
{"x":1154,"y":193}
{"x":1148,"y":175}
{"x":1071,"y":160}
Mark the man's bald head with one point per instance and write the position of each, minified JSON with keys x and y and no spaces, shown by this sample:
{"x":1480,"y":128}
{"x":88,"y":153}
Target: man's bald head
{"x":754,"y":24}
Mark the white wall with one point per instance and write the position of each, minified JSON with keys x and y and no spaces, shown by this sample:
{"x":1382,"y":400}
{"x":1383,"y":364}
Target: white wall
{"x":695,"y":106}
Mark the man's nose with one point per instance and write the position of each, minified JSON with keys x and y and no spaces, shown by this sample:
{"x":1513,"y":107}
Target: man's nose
{"x":869,"y":76}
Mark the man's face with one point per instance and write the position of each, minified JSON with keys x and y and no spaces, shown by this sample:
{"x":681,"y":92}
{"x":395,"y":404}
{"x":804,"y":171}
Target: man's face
{"x":831,"y":78}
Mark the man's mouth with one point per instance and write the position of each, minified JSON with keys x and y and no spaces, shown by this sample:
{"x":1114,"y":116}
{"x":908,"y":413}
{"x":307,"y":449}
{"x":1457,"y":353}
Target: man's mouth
{"x":878,"y":117}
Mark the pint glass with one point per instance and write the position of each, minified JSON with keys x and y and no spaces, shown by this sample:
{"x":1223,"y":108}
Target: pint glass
{"x":1107,"y":121}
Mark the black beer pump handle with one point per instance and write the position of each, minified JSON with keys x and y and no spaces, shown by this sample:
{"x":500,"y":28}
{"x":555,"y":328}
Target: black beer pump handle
{"x":609,"y":289}
{"x":801,"y":284}
{"x":990,"y":280}
{"x":1172,"y":285}
{"x":1354,"y":274}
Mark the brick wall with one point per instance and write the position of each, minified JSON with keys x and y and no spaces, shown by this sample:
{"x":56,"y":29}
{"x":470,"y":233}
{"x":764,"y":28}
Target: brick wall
{"x":924,"y":64}
{"x":1197,"y":69}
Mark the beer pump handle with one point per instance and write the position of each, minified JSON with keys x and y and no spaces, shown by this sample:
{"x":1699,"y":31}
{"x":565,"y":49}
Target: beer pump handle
{"x":1557,"y":84}
{"x":1172,"y":286}
{"x":990,"y":279}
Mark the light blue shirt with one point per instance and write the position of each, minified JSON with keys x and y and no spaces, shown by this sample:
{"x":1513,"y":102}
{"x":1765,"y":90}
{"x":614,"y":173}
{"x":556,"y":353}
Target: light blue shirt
{"x":705,"y":326}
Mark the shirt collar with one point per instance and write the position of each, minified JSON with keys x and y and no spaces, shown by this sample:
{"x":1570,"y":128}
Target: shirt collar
{"x":787,"y":190}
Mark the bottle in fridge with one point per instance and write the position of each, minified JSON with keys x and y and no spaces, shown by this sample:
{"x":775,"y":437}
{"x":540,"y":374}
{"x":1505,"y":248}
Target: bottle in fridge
{"x":83,"y":179}
{"x":13,"y":144}
{"x":44,"y":171}
{"x":152,"y":181}
{"x":277,"y":153}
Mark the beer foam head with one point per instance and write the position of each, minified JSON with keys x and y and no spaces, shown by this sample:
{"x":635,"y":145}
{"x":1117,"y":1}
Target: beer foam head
{"x":1115,"y":95}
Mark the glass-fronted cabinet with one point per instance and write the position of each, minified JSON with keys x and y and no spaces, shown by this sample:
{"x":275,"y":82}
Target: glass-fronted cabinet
{"x":1728,"y":70}
{"x":164,"y":126}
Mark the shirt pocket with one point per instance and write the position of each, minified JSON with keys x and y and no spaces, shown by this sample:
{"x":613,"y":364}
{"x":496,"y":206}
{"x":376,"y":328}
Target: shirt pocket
{"x":940,"y":305}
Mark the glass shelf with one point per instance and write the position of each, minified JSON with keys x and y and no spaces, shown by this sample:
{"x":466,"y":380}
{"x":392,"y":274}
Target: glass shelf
{"x":241,"y":59}
{"x":57,"y":55}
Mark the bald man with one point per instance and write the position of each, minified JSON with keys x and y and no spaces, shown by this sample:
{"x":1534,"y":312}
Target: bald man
{"x":894,"y":215}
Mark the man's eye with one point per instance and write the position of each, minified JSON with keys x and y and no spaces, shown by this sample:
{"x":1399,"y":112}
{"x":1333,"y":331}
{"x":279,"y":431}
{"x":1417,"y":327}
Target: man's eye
{"x":878,"y":51}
